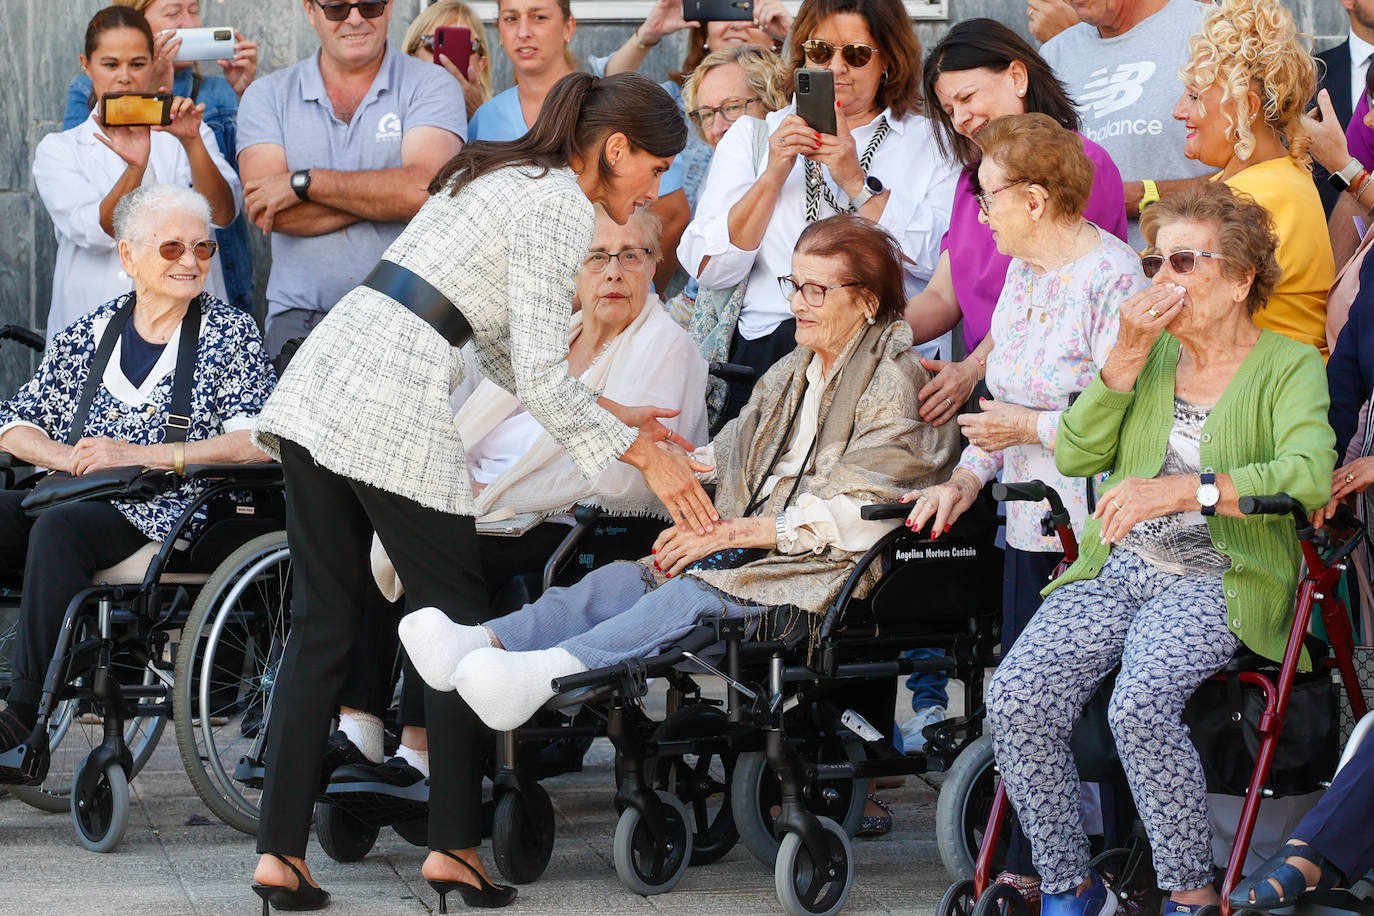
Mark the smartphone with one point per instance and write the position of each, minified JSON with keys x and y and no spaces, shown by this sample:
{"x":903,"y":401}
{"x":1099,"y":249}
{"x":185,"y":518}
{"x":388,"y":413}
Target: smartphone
{"x":815,"y":95}
{"x":455,"y":43}
{"x":134,"y":109}
{"x":204,"y":44}
{"x":718,"y":10}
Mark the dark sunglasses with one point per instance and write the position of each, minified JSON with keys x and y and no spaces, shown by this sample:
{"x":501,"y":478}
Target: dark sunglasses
{"x":820,"y":52}
{"x":338,"y":12}
{"x":1180,"y":262}
{"x":172,"y":249}
{"x":427,"y":42}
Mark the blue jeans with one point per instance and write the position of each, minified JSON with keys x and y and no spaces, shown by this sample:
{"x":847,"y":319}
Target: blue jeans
{"x":927,"y":687}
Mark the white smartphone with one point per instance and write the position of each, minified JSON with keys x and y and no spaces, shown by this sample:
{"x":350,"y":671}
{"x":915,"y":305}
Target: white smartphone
{"x":204,"y":44}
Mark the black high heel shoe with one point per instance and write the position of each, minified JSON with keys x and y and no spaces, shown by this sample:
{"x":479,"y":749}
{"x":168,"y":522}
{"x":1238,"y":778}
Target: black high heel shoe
{"x":486,"y":894}
{"x":305,"y":896}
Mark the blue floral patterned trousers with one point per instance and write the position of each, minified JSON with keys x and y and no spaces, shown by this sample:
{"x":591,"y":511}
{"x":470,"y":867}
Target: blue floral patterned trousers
{"x":1169,"y":634}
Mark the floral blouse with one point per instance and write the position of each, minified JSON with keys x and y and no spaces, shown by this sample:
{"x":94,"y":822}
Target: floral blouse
{"x":233,"y":378}
{"x":1051,"y":333}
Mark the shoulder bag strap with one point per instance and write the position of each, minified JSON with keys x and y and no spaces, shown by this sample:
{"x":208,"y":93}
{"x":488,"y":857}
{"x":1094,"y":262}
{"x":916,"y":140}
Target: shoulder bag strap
{"x":113,"y":330}
{"x":183,"y":376}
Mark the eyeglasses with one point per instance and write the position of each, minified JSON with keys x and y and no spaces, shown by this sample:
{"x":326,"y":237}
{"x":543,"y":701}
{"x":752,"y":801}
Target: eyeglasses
{"x":820,"y":52}
{"x":985,"y":197}
{"x":338,"y":12}
{"x":427,"y":42}
{"x":1180,"y":262}
{"x":633,"y":259}
{"x":730,"y":109}
{"x":172,"y":249}
{"x":813,"y":294}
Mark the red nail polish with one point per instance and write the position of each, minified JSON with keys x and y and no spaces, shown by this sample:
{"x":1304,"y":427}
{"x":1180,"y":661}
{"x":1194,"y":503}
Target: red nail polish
{"x":653,"y":550}
{"x":947,"y":528}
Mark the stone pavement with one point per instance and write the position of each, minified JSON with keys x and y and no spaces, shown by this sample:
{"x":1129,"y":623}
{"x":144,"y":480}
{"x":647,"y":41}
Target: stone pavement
{"x":176,"y":859}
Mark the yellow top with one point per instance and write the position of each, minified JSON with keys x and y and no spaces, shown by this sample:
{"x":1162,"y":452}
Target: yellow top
{"x":1298,"y":307}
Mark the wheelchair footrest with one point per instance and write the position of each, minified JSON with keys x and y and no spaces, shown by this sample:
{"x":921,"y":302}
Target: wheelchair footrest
{"x":378,"y":804}
{"x":24,"y":765}
{"x":250,"y":772}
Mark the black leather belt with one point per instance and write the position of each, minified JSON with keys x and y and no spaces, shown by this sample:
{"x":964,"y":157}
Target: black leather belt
{"x":415,"y":293}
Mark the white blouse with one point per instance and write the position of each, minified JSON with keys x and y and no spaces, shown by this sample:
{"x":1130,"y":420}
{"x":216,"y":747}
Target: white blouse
{"x":919,"y":179}
{"x":73,"y":172}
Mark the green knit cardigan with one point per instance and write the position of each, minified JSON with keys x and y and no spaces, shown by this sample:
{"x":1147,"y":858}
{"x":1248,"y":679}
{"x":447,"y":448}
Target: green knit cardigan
{"x":1268,"y":431}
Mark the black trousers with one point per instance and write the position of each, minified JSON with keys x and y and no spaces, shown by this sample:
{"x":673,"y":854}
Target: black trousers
{"x":761,"y":354}
{"x":58,"y":552}
{"x":1338,"y":827}
{"x":330,"y":520}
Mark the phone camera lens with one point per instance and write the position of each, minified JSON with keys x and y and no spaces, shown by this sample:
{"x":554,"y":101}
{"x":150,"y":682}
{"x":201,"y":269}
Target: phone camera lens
{"x":804,"y":82}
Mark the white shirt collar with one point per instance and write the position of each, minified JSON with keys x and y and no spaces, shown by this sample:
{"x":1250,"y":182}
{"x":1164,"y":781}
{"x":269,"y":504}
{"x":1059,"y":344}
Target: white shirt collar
{"x":1359,"y":50}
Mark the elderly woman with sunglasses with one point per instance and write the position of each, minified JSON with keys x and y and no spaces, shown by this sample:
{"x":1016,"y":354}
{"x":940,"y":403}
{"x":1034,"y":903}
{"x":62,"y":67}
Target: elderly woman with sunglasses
{"x":165,"y":247}
{"x":1194,"y":408}
{"x":882,"y":163}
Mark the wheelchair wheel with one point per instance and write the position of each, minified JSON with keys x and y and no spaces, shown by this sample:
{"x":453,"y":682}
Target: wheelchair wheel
{"x":1000,"y":900}
{"x":809,"y":888}
{"x":343,"y":837}
{"x":1130,"y":874}
{"x":73,"y":732}
{"x":700,"y":781}
{"x":226,"y":665}
{"x":957,"y":900}
{"x":963,"y":808}
{"x":100,"y":805}
{"x":755,"y":794}
{"x":522,"y":834}
{"x":637,"y":862}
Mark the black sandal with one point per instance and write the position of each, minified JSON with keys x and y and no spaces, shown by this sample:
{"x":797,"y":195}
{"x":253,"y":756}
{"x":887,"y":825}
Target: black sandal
{"x":1257,"y":893}
{"x":485,"y":894}
{"x":304,"y":896}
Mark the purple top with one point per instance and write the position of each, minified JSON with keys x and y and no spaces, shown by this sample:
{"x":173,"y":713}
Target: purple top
{"x":1358,"y":138}
{"x":979,"y":270}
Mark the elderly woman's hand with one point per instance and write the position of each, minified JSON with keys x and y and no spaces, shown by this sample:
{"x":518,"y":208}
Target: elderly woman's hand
{"x":1138,"y":499}
{"x":241,"y":70}
{"x":94,"y":454}
{"x":1000,"y":425}
{"x":677,"y":547}
{"x":943,"y":502}
{"x":1328,"y":137}
{"x":943,"y":395}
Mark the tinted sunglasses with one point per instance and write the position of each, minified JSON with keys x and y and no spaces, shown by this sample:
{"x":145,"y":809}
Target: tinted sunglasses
{"x":338,"y":12}
{"x":820,"y":52}
{"x":172,"y":249}
{"x":1180,"y":262}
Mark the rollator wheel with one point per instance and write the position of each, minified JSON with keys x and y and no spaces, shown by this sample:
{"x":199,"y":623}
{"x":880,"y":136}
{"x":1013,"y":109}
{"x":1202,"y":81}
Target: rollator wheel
{"x":100,"y":805}
{"x":342,"y":836}
{"x":756,"y":793}
{"x":700,"y":781}
{"x":963,"y":808}
{"x":808,"y":887}
{"x":522,"y":834}
{"x":957,"y":900}
{"x":1130,"y":874}
{"x":637,"y":861}
{"x":1000,"y":900}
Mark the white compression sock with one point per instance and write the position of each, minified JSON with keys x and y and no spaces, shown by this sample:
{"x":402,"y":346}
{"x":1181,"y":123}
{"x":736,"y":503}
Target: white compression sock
{"x":417,"y":759}
{"x":436,"y":644}
{"x":506,"y":688}
{"x":365,"y":731}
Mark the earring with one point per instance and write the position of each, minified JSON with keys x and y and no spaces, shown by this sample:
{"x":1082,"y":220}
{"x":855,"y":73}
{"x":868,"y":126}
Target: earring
{"x":1020,"y":93}
{"x":872,"y":320}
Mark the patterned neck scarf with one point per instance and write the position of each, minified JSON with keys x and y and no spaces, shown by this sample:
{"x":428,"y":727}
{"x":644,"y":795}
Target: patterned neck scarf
{"x":815,"y":182}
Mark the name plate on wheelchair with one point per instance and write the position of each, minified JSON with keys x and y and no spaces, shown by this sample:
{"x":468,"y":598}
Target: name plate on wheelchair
{"x":934,"y":552}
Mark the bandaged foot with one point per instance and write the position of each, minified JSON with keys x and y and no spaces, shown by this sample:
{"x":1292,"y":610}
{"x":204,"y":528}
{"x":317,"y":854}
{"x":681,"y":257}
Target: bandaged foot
{"x":436,"y":644}
{"x":506,"y":688}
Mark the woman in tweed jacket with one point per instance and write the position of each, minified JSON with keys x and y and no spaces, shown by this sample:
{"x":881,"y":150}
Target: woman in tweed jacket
{"x":364,"y":430}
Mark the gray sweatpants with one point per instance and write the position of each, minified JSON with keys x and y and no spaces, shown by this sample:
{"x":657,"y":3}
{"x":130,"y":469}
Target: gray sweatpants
{"x":614,"y":614}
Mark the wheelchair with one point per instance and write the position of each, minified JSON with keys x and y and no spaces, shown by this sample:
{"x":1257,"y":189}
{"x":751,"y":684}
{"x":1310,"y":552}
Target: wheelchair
{"x":1128,"y":870}
{"x":119,"y":672}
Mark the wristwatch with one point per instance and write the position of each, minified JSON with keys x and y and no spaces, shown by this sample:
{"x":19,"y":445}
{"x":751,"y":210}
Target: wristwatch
{"x":1150,"y":195}
{"x":780,"y":536}
{"x":300,"y":183}
{"x":1208,"y":495}
{"x":871,"y":189}
{"x":1346,"y":176}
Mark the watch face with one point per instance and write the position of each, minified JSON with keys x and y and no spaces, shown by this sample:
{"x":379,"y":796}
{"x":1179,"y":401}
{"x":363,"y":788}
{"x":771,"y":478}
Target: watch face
{"x":1208,"y":494}
{"x":873,"y":184}
{"x":299,"y":180}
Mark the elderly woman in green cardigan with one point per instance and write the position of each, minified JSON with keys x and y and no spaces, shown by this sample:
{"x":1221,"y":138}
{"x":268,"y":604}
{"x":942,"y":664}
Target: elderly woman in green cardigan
{"x":1194,"y":408}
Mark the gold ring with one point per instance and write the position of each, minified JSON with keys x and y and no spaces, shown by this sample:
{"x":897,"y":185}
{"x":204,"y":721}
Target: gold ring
{"x":1116,"y":502}
{"x":949,"y":402}
{"x":1349,"y":478}
{"x":1154,"y":314}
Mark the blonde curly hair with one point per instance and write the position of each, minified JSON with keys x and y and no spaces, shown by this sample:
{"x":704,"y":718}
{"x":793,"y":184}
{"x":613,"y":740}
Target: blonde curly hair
{"x":1255,"y":44}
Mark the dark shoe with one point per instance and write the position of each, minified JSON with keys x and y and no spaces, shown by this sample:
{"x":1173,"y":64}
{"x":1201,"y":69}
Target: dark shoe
{"x":13,"y":731}
{"x":1256,"y":893}
{"x":304,"y":896}
{"x":339,"y":752}
{"x":876,"y":824}
{"x":483,"y":894}
{"x":395,"y":773}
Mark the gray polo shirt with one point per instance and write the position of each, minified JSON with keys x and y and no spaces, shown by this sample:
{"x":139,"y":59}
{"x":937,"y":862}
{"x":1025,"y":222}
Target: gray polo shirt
{"x":291,"y":109}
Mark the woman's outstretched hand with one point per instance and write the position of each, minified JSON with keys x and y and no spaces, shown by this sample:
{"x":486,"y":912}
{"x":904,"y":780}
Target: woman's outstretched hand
{"x":669,"y":471}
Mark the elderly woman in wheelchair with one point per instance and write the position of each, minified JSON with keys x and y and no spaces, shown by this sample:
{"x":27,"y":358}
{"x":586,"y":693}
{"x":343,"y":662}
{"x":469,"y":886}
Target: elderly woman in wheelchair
{"x":1194,"y":408}
{"x":828,"y":429}
{"x":158,"y":378}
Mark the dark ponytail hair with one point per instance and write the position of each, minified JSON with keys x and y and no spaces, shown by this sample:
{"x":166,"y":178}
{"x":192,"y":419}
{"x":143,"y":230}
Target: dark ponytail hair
{"x":579,"y":113}
{"x":116,"y":17}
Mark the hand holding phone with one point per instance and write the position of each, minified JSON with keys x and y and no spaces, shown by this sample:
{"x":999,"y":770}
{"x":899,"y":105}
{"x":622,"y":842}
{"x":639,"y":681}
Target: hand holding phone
{"x":455,"y":43}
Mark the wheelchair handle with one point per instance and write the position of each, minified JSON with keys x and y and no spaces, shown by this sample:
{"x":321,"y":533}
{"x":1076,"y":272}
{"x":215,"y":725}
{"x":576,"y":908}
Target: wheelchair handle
{"x":879,"y":511}
{"x":1278,"y":504}
{"x":22,"y":335}
{"x":733,"y":372}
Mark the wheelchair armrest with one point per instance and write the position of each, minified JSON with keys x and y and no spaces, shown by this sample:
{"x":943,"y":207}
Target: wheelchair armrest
{"x":264,"y":472}
{"x":733,"y":372}
{"x":586,"y":517}
{"x":22,"y":335}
